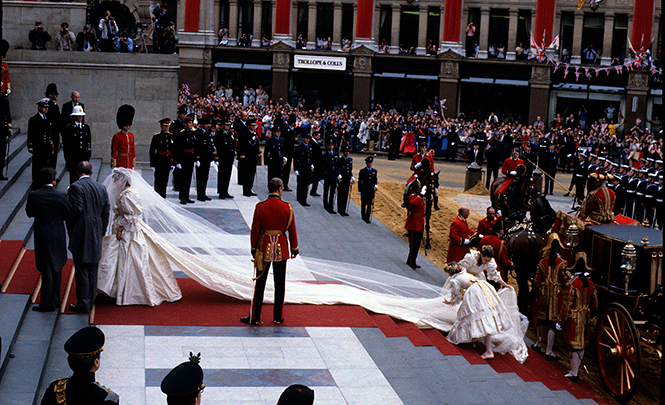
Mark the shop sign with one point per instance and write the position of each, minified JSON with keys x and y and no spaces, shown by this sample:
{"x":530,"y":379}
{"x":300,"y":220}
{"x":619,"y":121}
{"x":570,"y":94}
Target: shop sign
{"x":319,"y":62}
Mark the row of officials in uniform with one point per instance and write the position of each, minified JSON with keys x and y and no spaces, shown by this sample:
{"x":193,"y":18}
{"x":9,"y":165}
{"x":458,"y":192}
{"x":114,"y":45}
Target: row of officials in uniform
{"x":639,"y":191}
{"x":183,"y":385}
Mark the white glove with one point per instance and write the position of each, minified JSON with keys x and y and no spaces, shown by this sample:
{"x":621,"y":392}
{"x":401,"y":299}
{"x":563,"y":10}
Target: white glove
{"x":284,"y":160}
{"x":513,"y":173}
{"x":297,"y":174}
{"x":417,"y":166}
{"x":466,"y":242}
{"x":376,"y":187}
{"x":172,"y":167}
{"x":339,"y":177}
{"x":423,"y":190}
{"x":179,"y":166}
{"x":353,"y":179}
{"x":153,"y":169}
{"x":216,"y":163}
{"x":312,"y":167}
{"x":480,"y":235}
{"x":558,"y":326}
{"x":197,"y":163}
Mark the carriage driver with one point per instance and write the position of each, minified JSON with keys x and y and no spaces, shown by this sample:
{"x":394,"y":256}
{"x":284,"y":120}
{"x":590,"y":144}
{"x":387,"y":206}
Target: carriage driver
{"x":598,"y":206}
{"x":512,"y":170}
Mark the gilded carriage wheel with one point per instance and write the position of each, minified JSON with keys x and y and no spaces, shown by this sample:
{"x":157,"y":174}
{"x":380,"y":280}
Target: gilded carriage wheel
{"x":618,"y":352}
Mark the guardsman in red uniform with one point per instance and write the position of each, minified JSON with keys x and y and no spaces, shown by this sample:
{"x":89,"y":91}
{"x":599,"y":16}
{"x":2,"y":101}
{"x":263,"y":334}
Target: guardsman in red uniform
{"x":6,"y":83}
{"x":486,"y":224}
{"x":123,"y":153}
{"x":551,"y":277}
{"x":459,"y":236}
{"x":415,"y":224}
{"x":598,"y":206}
{"x":273,"y":218}
{"x":580,"y":302}
{"x":494,"y":239}
{"x":509,"y":170}
{"x":416,"y":162}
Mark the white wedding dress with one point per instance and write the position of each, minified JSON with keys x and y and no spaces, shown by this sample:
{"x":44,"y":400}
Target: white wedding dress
{"x":222,"y":262}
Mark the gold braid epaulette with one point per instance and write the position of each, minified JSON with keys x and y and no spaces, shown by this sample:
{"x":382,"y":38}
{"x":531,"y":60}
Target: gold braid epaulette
{"x":59,"y":389}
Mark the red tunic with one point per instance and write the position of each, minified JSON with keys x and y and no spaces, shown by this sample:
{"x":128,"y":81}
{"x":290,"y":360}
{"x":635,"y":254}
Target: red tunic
{"x":509,"y":165}
{"x":418,"y":159}
{"x":123,"y":153}
{"x":459,"y":230}
{"x":5,"y":78}
{"x":598,"y":206}
{"x":485,"y":225}
{"x":579,"y":305}
{"x":503,"y":263}
{"x":415,"y":220}
{"x":547,"y":287}
{"x":271,"y":219}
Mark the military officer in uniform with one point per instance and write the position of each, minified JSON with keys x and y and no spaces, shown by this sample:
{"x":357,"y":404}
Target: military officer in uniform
{"x":317,"y":162}
{"x":273,"y":219}
{"x":84,"y":348}
{"x":580,"y":171}
{"x":123,"y":152}
{"x":248,"y":155}
{"x":415,"y":223}
{"x":549,"y":164}
{"x":620,"y":194}
{"x":631,"y":192}
{"x":225,"y":143}
{"x":184,"y":385}
{"x":530,"y":158}
{"x":274,"y":153}
{"x":76,"y":143}
{"x":289,"y":149}
{"x":650,"y":199}
{"x":331,"y":176}
{"x":161,"y":156}
{"x":177,"y":126}
{"x":54,"y":117}
{"x":660,"y":195}
{"x":346,"y":171}
{"x":367,"y":186}
{"x":302,"y":165}
{"x":183,"y":157}
{"x":638,"y":214}
{"x":204,"y":151}
{"x":41,"y":142}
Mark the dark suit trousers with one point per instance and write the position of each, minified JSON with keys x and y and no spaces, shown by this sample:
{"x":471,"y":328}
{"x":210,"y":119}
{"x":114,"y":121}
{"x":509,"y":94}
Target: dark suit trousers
{"x":279,"y":277}
{"x":50,"y":298}
{"x":491,"y":171}
{"x":185,"y":180}
{"x":202,"y":174}
{"x":86,"y":284}
{"x":329,"y":194}
{"x":224,"y":176}
{"x":366,"y":199}
{"x":274,"y":171}
{"x":303,"y":186}
{"x":415,"y":237}
{"x":39,"y":161}
{"x":176,"y":178}
{"x":162,"y":179}
{"x":286,"y":171}
{"x":246,"y":172}
{"x":549,"y":182}
{"x":342,"y":197}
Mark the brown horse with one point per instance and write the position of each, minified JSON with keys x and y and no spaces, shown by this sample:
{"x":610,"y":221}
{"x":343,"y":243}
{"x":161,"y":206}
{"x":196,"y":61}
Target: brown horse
{"x":524,"y":246}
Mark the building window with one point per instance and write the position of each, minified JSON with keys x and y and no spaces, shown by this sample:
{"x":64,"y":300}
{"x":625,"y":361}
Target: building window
{"x":498,"y":33}
{"x":592,"y":37}
{"x":245,"y":22}
{"x":433,"y":25}
{"x":472,"y":40}
{"x":324,"y":21}
{"x":566,"y":35}
{"x":523,"y":30}
{"x":223,"y":17}
{"x":266,"y":20}
{"x":385,"y":25}
{"x":302,"y":20}
{"x":347,"y":21}
{"x":408,"y":29}
{"x":619,"y":35}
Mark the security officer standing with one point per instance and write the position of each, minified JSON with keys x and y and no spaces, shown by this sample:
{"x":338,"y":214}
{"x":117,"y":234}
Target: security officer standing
{"x":184,"y":385}
{"x":331,"y":176}
{"x":660,"y":195}
{"x":346,"y":172}
{"x":248,"y":156}
{"x":183,"y":157}
{"x":631,"y":192}
{"x":317,"y":174}
{"x":650,"y":193}
{"x":41,"y":142}
{"x":76,"y":143}
{"x":302,"y":164}
{"x":84,"y":348}
{"x":367,"y":186}
{"x":225,"y":143}
{"x":274,"y":153}
{"x":549,"y":163}
{"x":54,"y":116}
{"x":204,"y":151}
{"x":530,"y":158}
{"x":161,"y":156}
{"x":638,"y":214}
{"x":394,"y":139}
{"x":579,"y":178}
{"x":620,"y":194}
{"x":289,"y":149}
{"x":177,"y":126}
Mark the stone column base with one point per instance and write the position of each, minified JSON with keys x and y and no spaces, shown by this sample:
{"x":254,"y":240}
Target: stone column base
{"x":369,"y":43}
{"x":287,"y":39}
{"x":456,"y":47}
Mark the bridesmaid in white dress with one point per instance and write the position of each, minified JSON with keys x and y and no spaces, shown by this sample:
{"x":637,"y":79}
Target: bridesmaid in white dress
{"x":133,"y":270}
{"x":482,"y":265}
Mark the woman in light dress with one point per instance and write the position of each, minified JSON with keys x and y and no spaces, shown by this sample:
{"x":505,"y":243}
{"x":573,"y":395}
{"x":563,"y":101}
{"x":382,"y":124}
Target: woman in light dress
{"x":133,"y":270}
{"x":482,"y":265}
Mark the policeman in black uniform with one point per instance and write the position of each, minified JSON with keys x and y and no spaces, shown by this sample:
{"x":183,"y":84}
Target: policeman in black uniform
{"x":660,"y":195}
{"x":183,"y":157}
{"x":84,"y":348}
{"x":54,"y":117}
{"x":41,"y":142}
{"x":631,"y":190}
{"x":204,"y":151}
{"x":289,"y":136}
{"x":367,"y":186}
{"x":184,"y":384}
{"x":579,"y":177}
{"x":638,"y":215}
{"x":331,"y":176}
{"x":176,"y":127}
{"x":302,"y":165}
{"x":650,"y":193}
{"x":274,"y":153}
{"x":346,"y":171}
{"x":549,"y":163}
{"x":225,"y":143}
{"x":76,"y":143}
{"x":620,"y":193}
{"x":161,"y":156}
{"x":530,"y":158}
{"x":248,"y":156}
{"x":317,"y":174}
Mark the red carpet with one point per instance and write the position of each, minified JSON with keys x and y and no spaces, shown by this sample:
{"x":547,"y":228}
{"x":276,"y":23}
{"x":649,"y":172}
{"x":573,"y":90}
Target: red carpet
{"x":445,"y":347}
{"x":26,"y":277}
{"x":415,"y":335}
{"x":9,"y":251}
{"x":387,"y":325}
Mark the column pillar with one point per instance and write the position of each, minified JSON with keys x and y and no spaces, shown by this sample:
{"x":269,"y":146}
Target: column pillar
{"x":576,"y":57}
{"x":256,"y":31}
{"x":512,"y":34}
{"x":362,"y":78}
{"x":545,"y":10}
{"x":642,"y":23}
{"x":636,"y":95}
{"x":449,"y":84}
{"x":311,"y":25}
{"x":337,"y":25}
{"x":483,"y":36}
{"x":280,"y":72}
{"x":422,"y":30}
{"x":376,"y":23}
{"x":539,"y":89}
{"x":452,"y":20}
{"x":233,"y":22}
{"x":394,"y":29}
{"x":442,"y":18}
{"x":608,"y":33}
{"x":282,"y":22}
{"x":364,"y":17}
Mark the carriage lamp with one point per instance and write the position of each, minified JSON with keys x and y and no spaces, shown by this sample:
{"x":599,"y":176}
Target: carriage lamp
{"x":629,"y":259}
{"x":572,"y":236}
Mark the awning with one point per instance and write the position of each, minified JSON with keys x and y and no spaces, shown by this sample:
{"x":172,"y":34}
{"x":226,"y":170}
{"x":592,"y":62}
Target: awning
{"x":484,"y":80}
{"x":248,"y":66}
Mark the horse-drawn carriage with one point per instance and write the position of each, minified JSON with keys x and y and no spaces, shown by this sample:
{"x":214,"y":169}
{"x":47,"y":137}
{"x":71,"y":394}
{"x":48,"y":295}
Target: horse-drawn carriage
{"x":627,"y":264}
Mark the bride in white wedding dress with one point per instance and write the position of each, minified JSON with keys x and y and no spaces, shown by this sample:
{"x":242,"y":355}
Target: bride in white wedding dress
{"x":221,"y":261}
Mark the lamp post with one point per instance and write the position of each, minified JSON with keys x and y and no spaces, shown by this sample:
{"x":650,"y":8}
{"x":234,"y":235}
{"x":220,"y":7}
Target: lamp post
{"x":629,"y":259}
{"x":572,"y":237}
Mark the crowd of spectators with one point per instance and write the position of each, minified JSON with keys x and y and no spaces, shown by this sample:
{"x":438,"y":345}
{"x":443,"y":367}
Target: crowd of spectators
{"x":448,"y":137}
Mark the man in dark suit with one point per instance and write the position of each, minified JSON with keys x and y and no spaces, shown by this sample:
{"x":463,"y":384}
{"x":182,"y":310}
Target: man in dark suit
{"x":248,"y":155}
{"x":475,"y":154}
{"x":40,"y":141}
{"x":50,"y":209}
{"x":240,"y":127}
{"x":550,"y":163}
{"x":331,"y":176}
{"x":76,"y":143}
{"x":493,"y":156}
{"x":289,"y":149}
{"x":204,"y":149}
{"x":274,"y":153}
{"x":367,"y":185}
{"x":68,"y":108}
{"x":303,"y":167}
{"x":90,"y":207}
{"x":394,"y":138}
{"x":346,"y":171}
{"x":315,"y":146}
{"x":54,"y":116}
{"x":225,"y":143}
{"x":183,"y":157}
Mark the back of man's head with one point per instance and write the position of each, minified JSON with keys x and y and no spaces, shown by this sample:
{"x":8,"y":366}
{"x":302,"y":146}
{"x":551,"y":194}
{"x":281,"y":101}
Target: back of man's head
{"x":85,"y":168}
{"x":47,"y":175}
